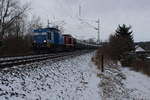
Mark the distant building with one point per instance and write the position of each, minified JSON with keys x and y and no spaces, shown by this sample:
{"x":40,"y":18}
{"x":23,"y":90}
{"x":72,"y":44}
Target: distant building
{"x":141,"y":52}
{"x":139,"y":49}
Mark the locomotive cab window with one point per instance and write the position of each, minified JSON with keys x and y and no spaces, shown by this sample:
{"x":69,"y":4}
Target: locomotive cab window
{"x":49,"y":35}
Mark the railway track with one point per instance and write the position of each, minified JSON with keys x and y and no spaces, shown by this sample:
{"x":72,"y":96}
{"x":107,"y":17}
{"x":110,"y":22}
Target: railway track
{"x":14,"y":61}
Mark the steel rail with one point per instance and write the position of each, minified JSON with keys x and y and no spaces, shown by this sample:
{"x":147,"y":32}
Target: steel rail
{"x":23,"y":61}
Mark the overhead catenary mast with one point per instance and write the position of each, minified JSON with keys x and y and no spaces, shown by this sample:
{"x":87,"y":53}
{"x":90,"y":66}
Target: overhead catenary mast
{"x":48,"y":23}
{"x":79,"y":10}
{"x":98,"y":30}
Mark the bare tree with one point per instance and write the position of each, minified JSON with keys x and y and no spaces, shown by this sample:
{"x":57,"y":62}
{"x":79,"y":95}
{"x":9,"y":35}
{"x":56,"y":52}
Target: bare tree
{"x":34,"y":23}
{"x":10,"y":11}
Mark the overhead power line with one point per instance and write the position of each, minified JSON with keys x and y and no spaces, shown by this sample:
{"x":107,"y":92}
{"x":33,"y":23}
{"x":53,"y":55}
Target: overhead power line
{"x":66,"y":10}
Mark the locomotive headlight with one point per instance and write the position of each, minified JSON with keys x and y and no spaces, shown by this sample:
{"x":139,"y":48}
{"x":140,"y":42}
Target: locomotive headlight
{"x":44,"y":41}
{"x":34,"y":41}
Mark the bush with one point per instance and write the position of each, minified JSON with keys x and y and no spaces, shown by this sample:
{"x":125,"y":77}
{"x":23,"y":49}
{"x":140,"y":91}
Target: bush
{"x":128,"y":60}
{"x":105,"y":51}
{"x":141,"y":66}
{"x":0,"y":43}
{"x":14,"y":46}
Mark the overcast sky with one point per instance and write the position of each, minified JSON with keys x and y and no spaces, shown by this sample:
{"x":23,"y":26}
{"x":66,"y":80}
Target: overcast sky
{"x":110,"y":12}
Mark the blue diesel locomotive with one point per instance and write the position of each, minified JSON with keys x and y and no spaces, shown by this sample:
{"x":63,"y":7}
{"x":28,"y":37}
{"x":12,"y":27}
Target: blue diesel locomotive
{"x":47,"y":38}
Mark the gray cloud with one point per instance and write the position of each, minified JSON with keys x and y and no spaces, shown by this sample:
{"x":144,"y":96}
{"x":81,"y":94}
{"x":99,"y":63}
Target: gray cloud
{"x":111,"y":13}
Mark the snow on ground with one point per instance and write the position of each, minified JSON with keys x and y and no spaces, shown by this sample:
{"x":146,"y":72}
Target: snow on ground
{"x":72,"y":79}
{"x":120,"y":83}
{"x":138,"y":83}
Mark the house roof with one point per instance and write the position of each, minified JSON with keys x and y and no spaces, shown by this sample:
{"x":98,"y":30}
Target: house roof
{"x":139,"y":49}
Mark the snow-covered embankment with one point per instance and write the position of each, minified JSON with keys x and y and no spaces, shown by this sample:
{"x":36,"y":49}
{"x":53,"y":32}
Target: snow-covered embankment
{"x":72,"y":79}
{"x":119,"y":83}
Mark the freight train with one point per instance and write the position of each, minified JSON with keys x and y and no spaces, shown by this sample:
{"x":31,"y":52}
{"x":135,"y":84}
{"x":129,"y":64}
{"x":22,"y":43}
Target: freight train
{"x":52,"y":39}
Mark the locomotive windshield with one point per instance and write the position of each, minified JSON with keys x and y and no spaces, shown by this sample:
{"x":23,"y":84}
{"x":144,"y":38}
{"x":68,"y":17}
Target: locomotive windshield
{"x":40,"y":33}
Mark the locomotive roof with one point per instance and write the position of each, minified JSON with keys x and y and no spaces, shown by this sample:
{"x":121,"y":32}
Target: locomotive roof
{"x":39,"y":30}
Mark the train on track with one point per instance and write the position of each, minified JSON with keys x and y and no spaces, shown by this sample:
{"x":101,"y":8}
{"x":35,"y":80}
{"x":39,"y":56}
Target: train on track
{"x":52,"y":39}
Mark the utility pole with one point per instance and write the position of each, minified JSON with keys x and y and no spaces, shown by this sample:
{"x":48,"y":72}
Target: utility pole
{"x":98,"y":30}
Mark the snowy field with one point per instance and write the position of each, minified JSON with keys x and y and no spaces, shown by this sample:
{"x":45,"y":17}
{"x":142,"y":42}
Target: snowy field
{"x":73,"y":79}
